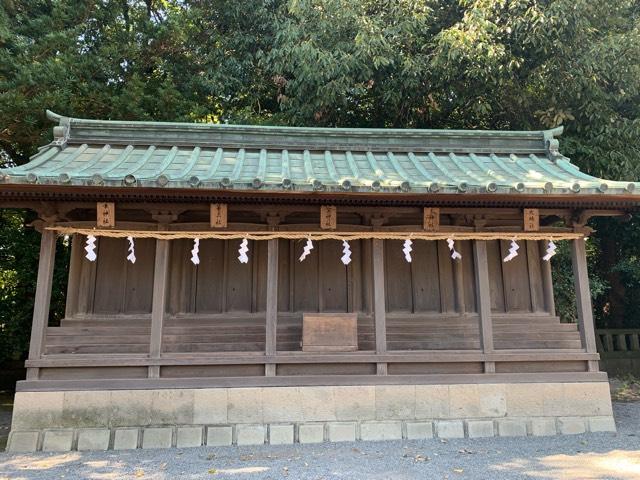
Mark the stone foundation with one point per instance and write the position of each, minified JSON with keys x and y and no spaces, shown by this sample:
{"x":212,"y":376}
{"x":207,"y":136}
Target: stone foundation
{"x":126,"y":419}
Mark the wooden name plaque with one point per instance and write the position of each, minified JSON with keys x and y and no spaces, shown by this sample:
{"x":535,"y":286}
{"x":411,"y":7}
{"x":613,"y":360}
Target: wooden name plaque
{"x":329,"y":332}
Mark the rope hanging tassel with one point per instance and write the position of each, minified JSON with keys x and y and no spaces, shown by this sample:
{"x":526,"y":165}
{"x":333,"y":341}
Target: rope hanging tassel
{"x":454,"y":254}
{"x":346,"y":258}
{"x":407,"y":250}
{"x":132,"y":250}
{"x":91,"y":248}
{"x":513,"y":251}
{"x":242,"y":251}
{"x":315,"y":235}
{"x":195,"y":258}
{"x":306,"y":251}
{"x":551,"y":251}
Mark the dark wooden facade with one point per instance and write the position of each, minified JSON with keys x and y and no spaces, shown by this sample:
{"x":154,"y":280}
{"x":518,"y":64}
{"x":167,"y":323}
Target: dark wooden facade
{"x":166,"y":323}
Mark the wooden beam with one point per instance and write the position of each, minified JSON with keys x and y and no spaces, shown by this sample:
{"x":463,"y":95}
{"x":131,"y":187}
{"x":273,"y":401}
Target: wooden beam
{"x":272,"y":305}
{"x":159,"y":303}
{"x":583,"y":299}
{"x":379,"y":306}
{"x":483,"y":293}
{"x":42,"y":299}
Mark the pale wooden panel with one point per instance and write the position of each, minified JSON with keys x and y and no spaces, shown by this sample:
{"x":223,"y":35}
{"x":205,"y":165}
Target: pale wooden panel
{"x":181,"y":276}
{"x":541,"y":367}
{"x":445,"y":269}
{"x":305,"y":275}
{"x":334,"y":277}
{"x":86,"y":282}
{"x":200,"y":371}
{"x":397,"y":274}
{"x":260,"y":295}
{"x":139,"y":286}
{"x":110,"y":275}
{"x":284,"y":274}
{"x":535,"y":275}
{"x":424,"y":276}
{"x":287,"y":369}
{"x":434,"y":368}
{"x":468,"y":279}
{"x":87,"y":373}
{"x":496,"y":285}
{"x":239,"y":278}
{"x":354,"y":278}
{"x":209,"y":277}
{"x":516,"y":280}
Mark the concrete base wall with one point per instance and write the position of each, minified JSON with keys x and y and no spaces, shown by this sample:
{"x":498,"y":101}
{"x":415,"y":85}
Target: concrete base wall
{"x":122,"y":419}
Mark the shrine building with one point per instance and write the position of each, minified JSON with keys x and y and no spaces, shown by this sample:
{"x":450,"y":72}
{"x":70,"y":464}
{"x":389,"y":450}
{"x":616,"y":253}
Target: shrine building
{"x":256,"y":284}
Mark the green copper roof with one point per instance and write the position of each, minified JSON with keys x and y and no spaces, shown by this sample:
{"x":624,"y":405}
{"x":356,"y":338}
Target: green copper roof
{"x":205,"y":156}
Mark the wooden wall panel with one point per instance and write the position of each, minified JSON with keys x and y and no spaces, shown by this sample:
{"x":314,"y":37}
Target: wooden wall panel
{"x":260,"y":295}
{"x":445,"y":269}
{"x":333,"y":274}
{"x":284,"y":274}
{"x":469,"y":286}
{"x":496,"y":284}
{"x":209,"y":277}
{"x":139,"y":277}
{"x":305,"y":285}
{"x":424,"y":275}
{"x":239,"y":278}
{"x":516,"y":280}
{"x":535,"y":275}
{"x":397,"y":276}
{"x":181,"y":273}
{"x":110,"y":275}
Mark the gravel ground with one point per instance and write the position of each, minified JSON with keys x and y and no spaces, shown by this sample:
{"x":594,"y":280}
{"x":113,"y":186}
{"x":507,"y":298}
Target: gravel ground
{"x":579,"y":457}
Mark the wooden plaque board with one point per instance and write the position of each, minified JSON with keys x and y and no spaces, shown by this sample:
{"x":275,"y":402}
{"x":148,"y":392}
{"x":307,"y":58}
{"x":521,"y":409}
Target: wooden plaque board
{"x":329,"y":332}
{"x":218,"y":215}
{"x":328,"y":217}
{"x":431,"y":219}
{"x":531,"y":220}
{"x":105,"y":214}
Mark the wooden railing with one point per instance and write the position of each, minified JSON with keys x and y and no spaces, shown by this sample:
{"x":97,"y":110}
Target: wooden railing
{"x":618,"y":343}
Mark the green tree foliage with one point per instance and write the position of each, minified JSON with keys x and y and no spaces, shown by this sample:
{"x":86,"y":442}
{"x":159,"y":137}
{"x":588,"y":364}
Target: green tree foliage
{"x":504,"y":64}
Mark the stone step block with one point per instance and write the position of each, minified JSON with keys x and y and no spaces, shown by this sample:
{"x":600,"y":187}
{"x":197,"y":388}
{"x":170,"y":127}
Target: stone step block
{"x":311,"y":433}
{"x":23,"y":441}
{"x":189,"y":437}
{"x":280,"y":434}
{"x":250,"y":434}
{"x":375,"y":431}
{"x":93,"y":439}
{"x":57,"y":440}
{"x":157,"y":437}
{"x":219,"y":436}
{"x":450,"y":429}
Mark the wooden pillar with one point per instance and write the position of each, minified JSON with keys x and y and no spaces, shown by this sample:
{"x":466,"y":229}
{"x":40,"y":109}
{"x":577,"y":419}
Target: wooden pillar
{"x":272,"y":305}
{"x":379,"y":307}
{"x":583,"y":299}
{"x":42,"y":299}
{"x":159,"y":303}
{"x":483,"y":300}
{"x":547,"y":280}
